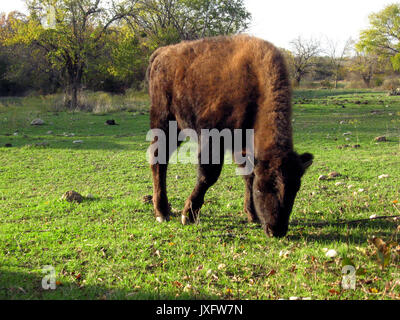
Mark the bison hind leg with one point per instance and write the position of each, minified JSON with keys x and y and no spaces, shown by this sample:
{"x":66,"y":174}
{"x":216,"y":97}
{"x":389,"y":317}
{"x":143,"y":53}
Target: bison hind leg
{"x":159,"y":171}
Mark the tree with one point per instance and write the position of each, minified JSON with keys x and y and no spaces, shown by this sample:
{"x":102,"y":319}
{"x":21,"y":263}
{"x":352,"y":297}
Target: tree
{"x":170,"y":21}
{"x":125,"y":59}
{"x":304,"y":54}
{"x":366,"y":66}
{"x":383,"y":35}
{"x":105,"y":43}
{"x":76,"y":36}
{"x":337,"y":55}
{"x":23,"y":67}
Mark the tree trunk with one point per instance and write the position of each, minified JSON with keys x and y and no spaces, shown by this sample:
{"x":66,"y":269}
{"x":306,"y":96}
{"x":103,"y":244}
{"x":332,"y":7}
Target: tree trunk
{"x":71,"y":96}
{"x":73,"y":87}
{"x":336,"y":79}
{"x":298,"y":80}
{"x":367,"y":81}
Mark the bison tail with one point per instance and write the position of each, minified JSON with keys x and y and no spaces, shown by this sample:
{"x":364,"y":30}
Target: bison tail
{"x":151,"y":60}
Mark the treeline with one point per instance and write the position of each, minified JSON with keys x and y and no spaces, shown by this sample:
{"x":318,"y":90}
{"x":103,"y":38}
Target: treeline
{"x":313,"y":63}
{"x":373,"y":60}
{"x":71,"y":45}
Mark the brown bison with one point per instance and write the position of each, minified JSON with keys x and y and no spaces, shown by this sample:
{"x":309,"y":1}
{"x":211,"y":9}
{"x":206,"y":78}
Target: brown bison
{"x":238,"y":82}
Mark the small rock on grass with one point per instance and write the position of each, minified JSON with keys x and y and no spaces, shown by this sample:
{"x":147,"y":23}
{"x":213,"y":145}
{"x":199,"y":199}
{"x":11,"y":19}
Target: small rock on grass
{"x":322,"y":177}
{"x":284,"y":253}
{"x":381,"y":139}
{"x":78,"y":141}
{"x":72,"y":196}
{"x":334,"y":174}
{"x":383,"y":176}
{"x":37,"y":122}
{"x":42,"y":144}
{"x":147,"y":199}
{"x":8,"y":145}
{"x":331,"y":253}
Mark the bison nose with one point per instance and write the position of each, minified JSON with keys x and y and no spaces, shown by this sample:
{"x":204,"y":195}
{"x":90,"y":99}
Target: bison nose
{"x":272,"y":231}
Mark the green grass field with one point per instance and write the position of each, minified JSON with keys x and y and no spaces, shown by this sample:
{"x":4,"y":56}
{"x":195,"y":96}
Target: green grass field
{"x":109,"y":246}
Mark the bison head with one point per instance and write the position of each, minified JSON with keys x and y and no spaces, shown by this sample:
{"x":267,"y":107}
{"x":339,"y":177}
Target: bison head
{"x":276,"y":183}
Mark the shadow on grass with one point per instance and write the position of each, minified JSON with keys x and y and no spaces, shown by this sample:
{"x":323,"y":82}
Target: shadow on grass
{"x":39,"y":144}
{"x":28,"y":286}
{"x":312,"y":93}
{"x":355,"y":233}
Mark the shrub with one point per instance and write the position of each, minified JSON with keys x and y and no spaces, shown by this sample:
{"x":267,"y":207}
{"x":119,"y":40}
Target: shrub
{"x":378,"y":82}
{"x":355,"y":84}
{"x":390,"y":84}
{"x":326,"y":84}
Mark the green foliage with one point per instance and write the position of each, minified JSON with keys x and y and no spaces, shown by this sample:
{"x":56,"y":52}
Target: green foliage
{"x":170,"y":21}
{"x":367,"y":65}
{"x":383,"y":35}
{"x":72,"y":43}
{"x":129,"y":57}
{"x":104,"y":45}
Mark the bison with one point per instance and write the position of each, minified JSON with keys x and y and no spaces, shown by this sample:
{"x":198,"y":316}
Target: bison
{"x":236,"y":82}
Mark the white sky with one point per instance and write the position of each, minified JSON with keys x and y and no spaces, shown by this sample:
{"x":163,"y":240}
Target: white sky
{"x":280,"y":21}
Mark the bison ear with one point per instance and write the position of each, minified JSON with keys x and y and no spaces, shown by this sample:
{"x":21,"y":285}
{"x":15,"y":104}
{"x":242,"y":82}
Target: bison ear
{"x":306,"y":160}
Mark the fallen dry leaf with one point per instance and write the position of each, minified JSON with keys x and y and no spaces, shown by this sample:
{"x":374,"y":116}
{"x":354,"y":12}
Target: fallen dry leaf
{"x":271,"y":273}
{"x":334,"y":292}
{"x":177,"y":284}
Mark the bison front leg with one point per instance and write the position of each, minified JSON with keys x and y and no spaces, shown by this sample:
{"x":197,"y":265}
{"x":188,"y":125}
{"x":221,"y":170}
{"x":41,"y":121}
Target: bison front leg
{"x":248,"y":199}
{"x":209,"y":170}
{"x":207,"y":175}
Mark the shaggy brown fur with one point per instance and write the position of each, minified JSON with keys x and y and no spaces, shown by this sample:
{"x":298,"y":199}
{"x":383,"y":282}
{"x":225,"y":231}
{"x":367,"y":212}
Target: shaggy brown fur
{"x":237,"y":82}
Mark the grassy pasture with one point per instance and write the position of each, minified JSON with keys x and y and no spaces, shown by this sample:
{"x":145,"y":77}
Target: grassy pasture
{"x":109,"y":246}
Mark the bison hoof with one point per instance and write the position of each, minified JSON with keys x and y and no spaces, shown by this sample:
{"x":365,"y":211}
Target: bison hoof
{"x":185,"y":220}
{"x":161,"y":219}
